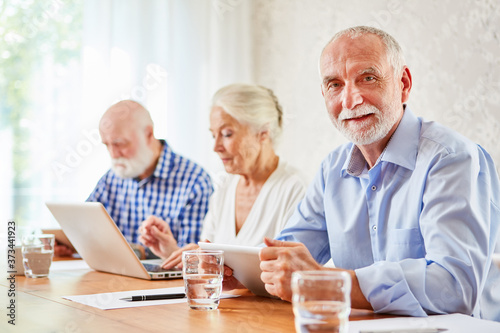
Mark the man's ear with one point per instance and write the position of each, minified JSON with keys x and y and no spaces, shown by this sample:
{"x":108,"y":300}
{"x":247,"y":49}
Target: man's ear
{"x":148,"y":131}
{"x":405,"y":85}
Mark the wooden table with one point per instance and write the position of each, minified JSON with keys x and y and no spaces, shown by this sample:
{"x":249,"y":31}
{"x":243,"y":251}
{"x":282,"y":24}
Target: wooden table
{"x":40,"y":308}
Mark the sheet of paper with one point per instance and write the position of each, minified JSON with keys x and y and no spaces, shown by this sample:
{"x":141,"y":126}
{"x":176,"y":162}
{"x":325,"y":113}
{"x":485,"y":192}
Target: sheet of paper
{"x":454,"y":323}
{"x":64,"y":265}
{"x":108,"y":301}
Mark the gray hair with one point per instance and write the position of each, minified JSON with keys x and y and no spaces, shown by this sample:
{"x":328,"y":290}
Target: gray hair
{"x":392,"y":47}
{"x":252,"y":105}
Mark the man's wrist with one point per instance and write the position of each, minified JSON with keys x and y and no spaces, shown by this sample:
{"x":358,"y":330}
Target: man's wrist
{"x":358,"y":299}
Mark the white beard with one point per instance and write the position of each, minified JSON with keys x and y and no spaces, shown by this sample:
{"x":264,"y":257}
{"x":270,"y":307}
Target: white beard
{"x":134,"y":166}
{"x":363,"y":133}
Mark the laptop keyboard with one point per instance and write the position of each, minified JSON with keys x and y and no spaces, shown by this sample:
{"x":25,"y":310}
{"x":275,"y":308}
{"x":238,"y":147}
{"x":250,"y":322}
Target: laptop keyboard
{"x":157,"y":268}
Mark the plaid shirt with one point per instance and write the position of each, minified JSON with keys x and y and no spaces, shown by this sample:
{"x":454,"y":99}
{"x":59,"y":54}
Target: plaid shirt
{"x":178,"y":192}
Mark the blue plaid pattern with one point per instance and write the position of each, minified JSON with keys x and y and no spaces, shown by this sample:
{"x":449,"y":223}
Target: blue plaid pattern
{"x":178,"y":192}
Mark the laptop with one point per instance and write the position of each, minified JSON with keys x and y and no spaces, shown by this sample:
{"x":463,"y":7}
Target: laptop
{"x":101,"y":244}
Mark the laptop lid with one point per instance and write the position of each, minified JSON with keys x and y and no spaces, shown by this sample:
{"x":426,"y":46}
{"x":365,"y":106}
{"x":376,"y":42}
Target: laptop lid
{"x":99,"y":241}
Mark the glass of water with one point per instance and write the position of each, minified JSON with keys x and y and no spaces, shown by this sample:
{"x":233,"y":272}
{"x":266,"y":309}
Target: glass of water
{"x":321,"y":301}
{"x":203,"y":271}
{"x":37,"y":252}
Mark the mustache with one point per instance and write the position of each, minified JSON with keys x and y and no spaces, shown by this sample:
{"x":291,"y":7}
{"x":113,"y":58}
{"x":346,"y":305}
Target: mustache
{"x":360,"y":111}
{"x":119,"y":160}
{"x":121,"y":163}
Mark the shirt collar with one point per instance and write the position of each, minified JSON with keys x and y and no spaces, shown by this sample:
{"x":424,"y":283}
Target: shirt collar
{"x":356,"y":163}
{"x":163,"y":166}
{"x":401,"y":149}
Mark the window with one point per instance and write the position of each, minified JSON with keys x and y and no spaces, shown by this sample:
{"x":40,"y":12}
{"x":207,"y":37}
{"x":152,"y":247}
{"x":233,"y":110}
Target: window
{"x":40,"y":71}
{"x":64,"y":62}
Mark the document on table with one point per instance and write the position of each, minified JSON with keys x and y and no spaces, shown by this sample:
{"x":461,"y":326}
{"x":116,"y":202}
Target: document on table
{"x":453,"y":323}
{"x":64,"y":265}
{"x":108,"y":301}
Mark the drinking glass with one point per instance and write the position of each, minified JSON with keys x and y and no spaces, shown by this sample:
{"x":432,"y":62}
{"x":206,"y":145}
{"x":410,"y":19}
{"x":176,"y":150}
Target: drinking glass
{"x":321,"y":301}
{"x":37,"y":251}
{"x":203,"y":271}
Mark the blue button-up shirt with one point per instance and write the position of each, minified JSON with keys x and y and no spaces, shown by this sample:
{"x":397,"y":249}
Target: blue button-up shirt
{"x":178,"y":191}
{"x":418,"y":228}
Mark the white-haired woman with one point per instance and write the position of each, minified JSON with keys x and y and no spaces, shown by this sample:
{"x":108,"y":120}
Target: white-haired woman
{"x":259,"y":193}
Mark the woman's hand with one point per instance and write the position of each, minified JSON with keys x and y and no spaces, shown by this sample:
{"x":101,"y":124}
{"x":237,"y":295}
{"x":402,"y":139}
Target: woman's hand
{"x":175,"y":259}
{"x":229,"y":282}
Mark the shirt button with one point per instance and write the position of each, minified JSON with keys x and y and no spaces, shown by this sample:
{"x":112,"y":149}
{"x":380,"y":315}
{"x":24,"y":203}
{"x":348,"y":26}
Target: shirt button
{"x":374,"y":227}
{"x":374,"y":188}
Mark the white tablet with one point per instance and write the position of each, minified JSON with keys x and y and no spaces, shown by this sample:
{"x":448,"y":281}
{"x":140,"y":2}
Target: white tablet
{"x":60,"y":237}
{"x":245,"y":263}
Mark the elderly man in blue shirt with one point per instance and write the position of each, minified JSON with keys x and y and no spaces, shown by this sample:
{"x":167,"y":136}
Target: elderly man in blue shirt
{"x":147,"y":178}
{"x":409,"y":208}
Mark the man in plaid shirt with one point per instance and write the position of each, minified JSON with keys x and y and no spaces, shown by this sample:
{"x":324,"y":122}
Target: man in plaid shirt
{"x":148,"y":178}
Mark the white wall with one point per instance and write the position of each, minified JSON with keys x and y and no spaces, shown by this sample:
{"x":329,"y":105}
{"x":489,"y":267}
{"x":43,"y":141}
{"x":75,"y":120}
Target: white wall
{"x":452,"y":49}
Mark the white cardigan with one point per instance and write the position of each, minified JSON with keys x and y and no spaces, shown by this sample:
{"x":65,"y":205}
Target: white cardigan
{"x":275,"y":203}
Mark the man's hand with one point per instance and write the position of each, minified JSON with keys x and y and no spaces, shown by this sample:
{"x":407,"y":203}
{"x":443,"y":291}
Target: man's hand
{"x":61,"y":250}
{"x":139,"y":250}
{"x":279,"y":260}
{"x":156,"y":234}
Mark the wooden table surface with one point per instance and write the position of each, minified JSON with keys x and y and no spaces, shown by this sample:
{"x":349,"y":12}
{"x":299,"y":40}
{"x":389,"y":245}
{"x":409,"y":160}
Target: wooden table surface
{"x":41,"y":308}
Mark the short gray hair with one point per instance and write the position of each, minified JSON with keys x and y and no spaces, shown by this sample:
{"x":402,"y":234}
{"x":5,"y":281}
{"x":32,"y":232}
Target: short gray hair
{"x":392,"y":47}
{"x":253,"y":105}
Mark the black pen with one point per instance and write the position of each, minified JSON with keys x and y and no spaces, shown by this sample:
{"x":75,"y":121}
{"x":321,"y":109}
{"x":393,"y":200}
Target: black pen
{"x":153,"y":297}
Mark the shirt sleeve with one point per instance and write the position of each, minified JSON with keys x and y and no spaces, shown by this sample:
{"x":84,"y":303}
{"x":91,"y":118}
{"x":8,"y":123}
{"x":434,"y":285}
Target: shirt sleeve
{"x":97,"y":194}
{"x":307,"y":223}
{"x":458,"y":207}
{"x":191,"y":221}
